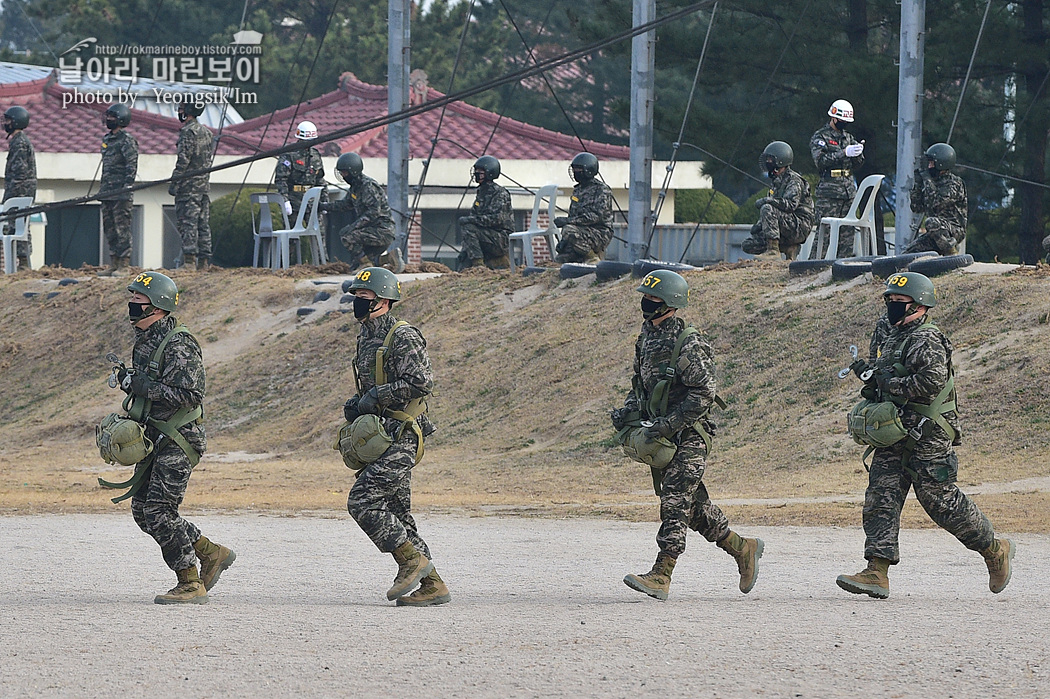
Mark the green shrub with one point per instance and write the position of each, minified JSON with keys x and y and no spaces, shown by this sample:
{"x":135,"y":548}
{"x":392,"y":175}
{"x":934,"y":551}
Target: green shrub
{"x":233,"y":240}
{"x":747,"y":213}
{"x":702,"y":206}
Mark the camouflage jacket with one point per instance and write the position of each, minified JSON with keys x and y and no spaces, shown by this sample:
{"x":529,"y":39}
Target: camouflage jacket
{"x":790,"y":193}
{"x":828,"y":148}
{"x":591,"y":205}
{"x":303,"y":168}
{"x":369,"y":204}
{"x":120,"y":163}
{"x":194,"y":153}
{"x":181,"y":381}
{"x":943,"y":196}
{"x":407,"y":366}
{"x":926,"y":355}
{"x":492,"y":208}
{"x":20,"y":173}
{"x":692,"y":392}
{"x":878,"y":338}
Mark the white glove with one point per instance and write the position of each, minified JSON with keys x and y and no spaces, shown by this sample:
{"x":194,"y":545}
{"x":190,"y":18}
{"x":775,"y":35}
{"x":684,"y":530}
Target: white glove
{"x":288,"y":208}
{"x":854,"y":150}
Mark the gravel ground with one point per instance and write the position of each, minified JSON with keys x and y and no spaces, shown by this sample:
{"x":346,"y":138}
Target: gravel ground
{"x":538,"y":609}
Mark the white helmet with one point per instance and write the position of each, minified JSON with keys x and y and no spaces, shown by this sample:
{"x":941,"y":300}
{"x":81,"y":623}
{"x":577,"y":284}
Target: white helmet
{"x":306,"y":130}
{"x":841,"y":110}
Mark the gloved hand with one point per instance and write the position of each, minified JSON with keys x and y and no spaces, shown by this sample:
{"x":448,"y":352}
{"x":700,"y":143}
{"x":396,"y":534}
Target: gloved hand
{"x":882,"y":379}
{"x":140,"y":385}
{"x":560,"y":221}
{"x":171,"y":189}
{"x":465,"y":219}
{"x":618,"y":415}
{"x":858,"y":367}
{"x":369,"y":402}
{"x":350,"y":411}
{"x":288,"y":208}
{"x":661,"y":427}
{"x":122,"y":375}
{"x":854,"y":150}
{"x":324,"y":207}
{"x":761,"y":201}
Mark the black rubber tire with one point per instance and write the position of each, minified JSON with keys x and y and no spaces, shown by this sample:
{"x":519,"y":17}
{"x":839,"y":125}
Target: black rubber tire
{"x":797,"y":268}
{"x":640,"y":268}
{"x":573,"y":270}
{"x":321,"y":296}
{"x":933,"y":266}
{"x":346,"y":298}
{"x":531,"y":271}
{"x":67,"y":281}
{"x":883,"y":267}
{"x":346,"y":285}
{"x":305,"y":311}
{"x":53,"y":294}
{"x":850,"y":268}
{"x":30,"y":294}
{"x":607,"y":270}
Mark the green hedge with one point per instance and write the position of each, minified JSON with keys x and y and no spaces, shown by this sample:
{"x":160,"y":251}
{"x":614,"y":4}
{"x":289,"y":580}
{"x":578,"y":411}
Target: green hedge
{"x":692,"y":206}
{"x":233,"y":239}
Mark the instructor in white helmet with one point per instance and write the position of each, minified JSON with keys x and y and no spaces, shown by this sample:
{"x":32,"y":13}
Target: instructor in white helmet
{"x":837,"y":156}
{"x":300,"y":170}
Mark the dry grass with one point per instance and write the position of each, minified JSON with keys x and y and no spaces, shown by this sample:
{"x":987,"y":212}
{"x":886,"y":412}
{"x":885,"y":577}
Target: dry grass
{"x":526,"y":369}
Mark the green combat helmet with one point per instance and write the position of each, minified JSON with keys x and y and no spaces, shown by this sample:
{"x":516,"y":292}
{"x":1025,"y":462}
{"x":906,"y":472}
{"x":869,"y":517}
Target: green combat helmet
{"x":158,"y":288}
{"x":382,"y":281}
{"x":667,"y":286}
{"x":778,"y":153}
{"x":912,"y":284}
{"x":942,"y":155}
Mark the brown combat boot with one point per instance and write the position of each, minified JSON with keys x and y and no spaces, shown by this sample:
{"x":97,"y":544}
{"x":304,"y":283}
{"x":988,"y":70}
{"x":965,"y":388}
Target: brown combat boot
{"x":657,"y":582}
{"x":873,"y":581}
{"x":391,"y":259}
{"x":501,"y":262}
{"x":412,"y":567}
{"x":190,"y":589}
{"x":746,"y":552}
{"x":214,"y":560}
{"x":362,"y":262}
{"x":112,"y":269}
{"x":189,"y":262}
{"x":203,"y":263}
{"x":999,"y":557}
{"x":432,"y":590}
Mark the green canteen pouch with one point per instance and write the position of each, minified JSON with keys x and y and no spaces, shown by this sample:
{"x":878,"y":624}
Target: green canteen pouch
{"x":122,"y":440}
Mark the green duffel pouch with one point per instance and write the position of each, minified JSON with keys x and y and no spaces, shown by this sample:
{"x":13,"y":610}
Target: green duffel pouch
{"x":656,"y":453}
{"x":362,"y":441}
{"x":122,"y":440}
{"x":875,"y":424}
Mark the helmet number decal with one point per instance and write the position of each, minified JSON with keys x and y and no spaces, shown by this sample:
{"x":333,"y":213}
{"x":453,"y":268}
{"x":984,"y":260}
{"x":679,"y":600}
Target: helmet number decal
{"x":364,"y":274}
{"x":897,"y":280}
{"x":651,"y":281}
{"x":144,"y":278}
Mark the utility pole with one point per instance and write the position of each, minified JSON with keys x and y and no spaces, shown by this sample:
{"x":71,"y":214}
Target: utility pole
{"x":909,"y":114}
{"x":398,"y":65}
{"x":642,"y":77}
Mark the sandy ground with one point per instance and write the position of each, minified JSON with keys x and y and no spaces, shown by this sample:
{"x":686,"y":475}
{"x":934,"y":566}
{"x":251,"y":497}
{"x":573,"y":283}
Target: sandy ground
{"x":538,"y":609}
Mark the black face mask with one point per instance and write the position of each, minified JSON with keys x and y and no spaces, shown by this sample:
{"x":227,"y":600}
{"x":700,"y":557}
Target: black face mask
{"x":897,"y":310}
{"x":363,"y":307}
{"x":771,"y":170}
{"x":9,"y":126}
{"x":651,"y":309}
{"x":138,"y":311}
{"x":111,"y":124}
{"x":932,"y":169}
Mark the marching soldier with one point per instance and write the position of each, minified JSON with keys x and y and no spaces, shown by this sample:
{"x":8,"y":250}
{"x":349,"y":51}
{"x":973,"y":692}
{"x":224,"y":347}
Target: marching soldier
{"x":587,"y":230}
{"x":913,"y":371}
{"x":394,"y":389}
{"x":372,"y":231}
{"x":941,"y":195}
{"x":486,"y":231}
{"x":167,"y":383}
{"x":786,"y":215}
{"x":120,"y":164}
{"x":674,"y":404}
{"x":837,"y":155}
{"x":300,"y":170}
{"x":20,"y":172}
{"x":192,"y":204}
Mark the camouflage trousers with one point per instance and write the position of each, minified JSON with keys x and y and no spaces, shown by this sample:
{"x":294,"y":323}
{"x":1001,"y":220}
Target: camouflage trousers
{"x":369,"y":241}
{"x":578,"y":243}
{"x":941,"y":236}
{"x":116,"y":224}
{"x":192,"y":215}
{"x":381,"y":499}
{"x":684,"y":501}
{"x":784,"y":229}
{"x":483,"y":243}
{"x":835,"y":208}
{"x":935,"y":489}
{"x":155,"y":507}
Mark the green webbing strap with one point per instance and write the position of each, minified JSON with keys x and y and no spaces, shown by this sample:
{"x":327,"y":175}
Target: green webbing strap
{"x":380,"y":372}
{"x":170,"y":429}
{"x":134,"y":483}
{"x":413,"y":409}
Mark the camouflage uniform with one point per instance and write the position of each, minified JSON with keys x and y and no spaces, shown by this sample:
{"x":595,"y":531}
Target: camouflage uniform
{"x":381,"y":499}
{"x":192,"y":204}
{"x":373,"y":229}
{"x":486,"y":234}
{"x":834,"y":193}
{"x":155,"y":506}
{"x":120,"y":164}
{"x":589,"y":228}
{"x":20,"y":181}
{"x":684,"y":501}
{"x":926,"y":355}
{"x":786,"y":216}
{"x":297,"y":172}
{"x":943,"y":200}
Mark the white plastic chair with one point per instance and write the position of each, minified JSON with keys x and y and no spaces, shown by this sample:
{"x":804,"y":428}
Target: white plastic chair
{"x":21,"y":225}
{"x":861,"y":215}
{"x":311,"y":230}
{"x":265,"y":231}
{"x":550,"y":193}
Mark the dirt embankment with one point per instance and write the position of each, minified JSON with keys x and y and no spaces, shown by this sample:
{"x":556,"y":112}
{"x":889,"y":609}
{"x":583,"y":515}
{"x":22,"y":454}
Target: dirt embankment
{"x":526,"y":369}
